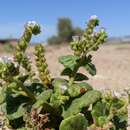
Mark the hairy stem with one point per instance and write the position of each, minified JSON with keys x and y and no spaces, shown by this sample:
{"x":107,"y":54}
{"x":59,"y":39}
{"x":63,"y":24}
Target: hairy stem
{"x":76,"y":68}
{"x":26,"y":90}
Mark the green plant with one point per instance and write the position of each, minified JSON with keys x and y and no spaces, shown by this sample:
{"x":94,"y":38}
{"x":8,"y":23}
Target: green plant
{"x":55,"y":103}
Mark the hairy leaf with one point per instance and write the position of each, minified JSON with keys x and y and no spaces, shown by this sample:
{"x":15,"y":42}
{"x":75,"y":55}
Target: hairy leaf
{"x":85,"y":85}
{"x":80,"y":77}
{"x":42,"y":98}
{"x":77,"y":89}
{"x":79,"y":103}
{"x":75,"y":122}
{"x":90,"y":68}
{"x":69,"y":61}
{"x":66,"y":72}
{"x":19,"y":113}
{"x":15,"y":106}
{"x":2,"y":94}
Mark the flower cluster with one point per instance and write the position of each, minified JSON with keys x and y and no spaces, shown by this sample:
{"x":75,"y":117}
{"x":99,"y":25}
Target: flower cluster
{"x":30,"y":28}
{"x":9,"y":68}
{"x":6,"y":59}
{"x":90,"y":40}
{"x":42,"y":65}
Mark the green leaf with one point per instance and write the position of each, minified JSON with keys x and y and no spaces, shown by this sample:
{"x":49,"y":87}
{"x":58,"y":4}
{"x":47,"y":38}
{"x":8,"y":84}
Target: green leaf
{"x":78,"y":104}
{"x":42,"y":98}
{"x":16,"y":123}
{"x":90,"y":68}
{"x":66,"y":72}
{"x":85,"y":85}
{"x":102,"y":120}
{"x":17,"y":114}
{"x":36,"y":88}
{"x":75,"y":89}
{"x":119,"y":123}
{"x":15,"y":106}
{"x":100,"y":113}
{"x":99,"y":109}
{"x":2,"y":94}
{"x":76,"y":122}
{"x":57,"y":83}
{"x":69,"y":61}
{"x":23,"y":78}
{"x":80,"y":77}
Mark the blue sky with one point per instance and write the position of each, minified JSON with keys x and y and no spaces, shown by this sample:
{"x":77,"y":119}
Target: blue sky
{"x":113,"y":14}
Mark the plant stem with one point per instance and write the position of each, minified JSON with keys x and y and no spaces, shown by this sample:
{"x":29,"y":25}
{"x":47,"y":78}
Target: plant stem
{"x":26,"y":90}
{"x":76,"y":68}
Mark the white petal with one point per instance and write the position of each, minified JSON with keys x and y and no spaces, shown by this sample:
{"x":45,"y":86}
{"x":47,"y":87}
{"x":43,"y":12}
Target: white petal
{"x":93,"y":17}
{"x":76,"y":38}
{"x":31,"y":23}
{"x":116,"y":94}
{"x":63,"y":88}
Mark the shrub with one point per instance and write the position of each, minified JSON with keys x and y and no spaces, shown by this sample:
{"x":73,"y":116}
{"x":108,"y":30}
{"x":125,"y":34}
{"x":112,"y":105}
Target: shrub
{"x":48,"y":103}
{"x":65,"y":32}
{"x":65,"y":29}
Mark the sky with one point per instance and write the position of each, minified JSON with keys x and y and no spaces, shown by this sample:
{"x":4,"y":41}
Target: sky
{"x":114,"y":15}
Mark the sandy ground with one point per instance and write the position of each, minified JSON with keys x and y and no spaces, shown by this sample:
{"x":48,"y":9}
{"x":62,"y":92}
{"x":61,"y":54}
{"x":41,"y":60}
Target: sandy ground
{"x":112,"y":63}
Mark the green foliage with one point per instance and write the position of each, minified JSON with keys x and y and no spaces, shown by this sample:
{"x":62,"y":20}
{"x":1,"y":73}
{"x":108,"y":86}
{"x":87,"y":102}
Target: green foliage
{"x":77,"y":89}
{"x":42,"y":98}
{"x":69,"y":61}
{"x":75,"y":122}
{"x":40,"y":102}
{"x":78,"y":104}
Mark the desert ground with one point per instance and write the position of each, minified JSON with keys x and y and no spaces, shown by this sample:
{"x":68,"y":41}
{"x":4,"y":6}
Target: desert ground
{"x":112,"y":63}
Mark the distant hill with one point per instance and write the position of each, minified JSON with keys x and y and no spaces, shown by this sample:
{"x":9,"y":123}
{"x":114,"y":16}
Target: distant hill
{"x":119,"y":40}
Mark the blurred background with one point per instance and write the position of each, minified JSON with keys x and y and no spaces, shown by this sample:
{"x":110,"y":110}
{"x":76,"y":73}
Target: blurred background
{"x":60,"y":20}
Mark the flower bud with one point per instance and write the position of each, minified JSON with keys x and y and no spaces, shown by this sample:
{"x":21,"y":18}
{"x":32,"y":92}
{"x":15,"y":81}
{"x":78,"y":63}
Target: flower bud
{"x":33,"y":26}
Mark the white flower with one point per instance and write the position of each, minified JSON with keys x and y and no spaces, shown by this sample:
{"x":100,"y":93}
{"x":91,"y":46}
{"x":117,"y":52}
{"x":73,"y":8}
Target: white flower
{"x":83,"y":38}
{"x":63,"y":88}
{"x":76,"y":38}
{"x":116,"y":94}
{"x":31,"y":24}
{"x":1,"y":60}
{"x":94,"y":34}
{"x":93,"y":17}
{"x":6,"y":59}
{"x":16,"y":65}
{"x":29,"y":56}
